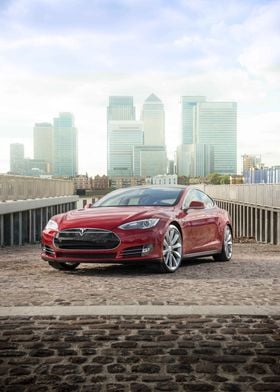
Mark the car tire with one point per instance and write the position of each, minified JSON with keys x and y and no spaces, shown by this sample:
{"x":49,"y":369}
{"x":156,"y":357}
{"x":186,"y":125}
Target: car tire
{"x":64,"y":266}
{"x":172,"y":250}
{"x":226,"y":253}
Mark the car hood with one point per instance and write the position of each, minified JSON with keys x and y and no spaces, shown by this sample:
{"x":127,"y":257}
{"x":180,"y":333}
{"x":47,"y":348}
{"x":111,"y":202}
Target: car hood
{"x":107,"y":217}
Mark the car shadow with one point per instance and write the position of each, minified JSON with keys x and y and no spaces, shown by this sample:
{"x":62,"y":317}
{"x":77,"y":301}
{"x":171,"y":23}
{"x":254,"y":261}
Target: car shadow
{"x":134,"y":268}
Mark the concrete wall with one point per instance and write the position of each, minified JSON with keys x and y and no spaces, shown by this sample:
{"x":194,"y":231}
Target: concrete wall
{"x":22,"y":221}
{"x":265,"y":195}
{"x":27,"y":203}
{"x":254,"y":209}
{"x":22,"y":188}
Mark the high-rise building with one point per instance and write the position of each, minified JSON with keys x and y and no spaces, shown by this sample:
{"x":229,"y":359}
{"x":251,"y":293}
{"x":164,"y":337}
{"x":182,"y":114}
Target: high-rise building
{"x":188,"y":116}
{"x":43,"y":143}
{"x":123,"y":136}
{"x":210,"y":124}
{"x":195,"y":160}
{"x":216,"y":126}
{"x":149,"y":160}
{"x":35,"y":167}
{"x":153,"y":121}
{"x":135,"y":148}
{"x":120,"y":111}
{"x":251,"y":161}
{"x":65,"y":156}
{"x":17,"y":158}
{"x":120,"y":108}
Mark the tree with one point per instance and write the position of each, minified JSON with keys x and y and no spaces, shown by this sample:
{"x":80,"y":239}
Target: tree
{"x":214,"y":178}
{"x":225,"y":179}
{"x":183,"y":180}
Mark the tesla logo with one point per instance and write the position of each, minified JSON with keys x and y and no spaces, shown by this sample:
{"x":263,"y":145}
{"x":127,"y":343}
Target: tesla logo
{"x":82,"y":232}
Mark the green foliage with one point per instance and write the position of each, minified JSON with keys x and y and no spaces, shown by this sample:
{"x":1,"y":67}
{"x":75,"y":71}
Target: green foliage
{"x":217,"y":179}
{"x":183,"y":180}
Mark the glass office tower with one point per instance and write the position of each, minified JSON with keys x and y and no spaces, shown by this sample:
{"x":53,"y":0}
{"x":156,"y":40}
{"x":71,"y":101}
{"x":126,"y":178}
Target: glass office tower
{"x":65,"y":155}
{"x":120,"y":108}
{"x":216,"y":126}
{"x":43,"y":144}
{"x":123,"y":136}
{"x":188,"y":114}
{"x":213,"y":126}
{"x":153,"y":121}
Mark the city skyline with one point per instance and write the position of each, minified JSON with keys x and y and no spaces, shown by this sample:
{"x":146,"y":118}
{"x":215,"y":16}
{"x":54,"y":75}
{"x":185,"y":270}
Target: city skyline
{"x":51,"y":64}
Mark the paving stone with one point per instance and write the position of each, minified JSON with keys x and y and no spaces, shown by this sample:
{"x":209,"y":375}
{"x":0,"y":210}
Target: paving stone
{"x":251,"y":277}
{"x":136,"y":387}
{"x":206,"y":367}
{"x":145,"y":368}
{"x":142,"y":353}
{"x":167,"y":386}
{"x":266,"y":387}
{"x":200,"y":387}
{"x":92,"y":369}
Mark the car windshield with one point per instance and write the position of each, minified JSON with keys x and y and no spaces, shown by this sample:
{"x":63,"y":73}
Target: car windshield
{"x":140,"y":197}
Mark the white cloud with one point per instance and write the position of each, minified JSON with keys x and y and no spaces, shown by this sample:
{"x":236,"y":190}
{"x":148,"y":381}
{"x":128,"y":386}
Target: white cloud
{"x":260,"y":34}
{"x":225,"y":54}
{"x":260,"y":134}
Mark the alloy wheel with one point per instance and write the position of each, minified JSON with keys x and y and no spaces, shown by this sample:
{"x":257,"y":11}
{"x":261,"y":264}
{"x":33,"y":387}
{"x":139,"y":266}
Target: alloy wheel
{"x":172,"y":249}
{"x":228,"y":242}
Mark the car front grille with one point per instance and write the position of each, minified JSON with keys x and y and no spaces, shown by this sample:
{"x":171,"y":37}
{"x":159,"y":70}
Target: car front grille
{"x":86,"y":238}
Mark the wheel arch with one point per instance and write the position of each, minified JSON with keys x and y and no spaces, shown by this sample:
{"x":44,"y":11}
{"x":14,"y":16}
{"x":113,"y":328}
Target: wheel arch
{"x":175,"y":223}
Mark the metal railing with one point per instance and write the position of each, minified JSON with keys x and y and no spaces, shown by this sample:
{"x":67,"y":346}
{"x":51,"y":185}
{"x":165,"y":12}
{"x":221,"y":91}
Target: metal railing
{"x":254,"y":209}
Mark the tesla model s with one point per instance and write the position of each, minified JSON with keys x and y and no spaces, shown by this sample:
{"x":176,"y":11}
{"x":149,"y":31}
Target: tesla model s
{"x":161,"y":224}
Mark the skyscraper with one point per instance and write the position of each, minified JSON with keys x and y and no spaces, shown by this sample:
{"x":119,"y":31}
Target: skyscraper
{"x":216,"y":126}
{"x":153,"y":121}
{"x":65,"y":157}
{"x":119,"y":139}
{"x":251,"y":161}
{"x":188,"y":115}
{"x":17,"y":158}
{"x":43,"y":144}
{"x":120,"y":108}
{"x":211,"y":128}
{"x":195,"y":160}
{"x":123,"y":136}
{"x":135,"y":148}
{"x":149,"y":160}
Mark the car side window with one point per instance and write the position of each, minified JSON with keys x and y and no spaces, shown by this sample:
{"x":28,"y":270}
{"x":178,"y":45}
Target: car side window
{"x":188,"y":199}
{"x":208,"y":202}
{"x":197,"y":195}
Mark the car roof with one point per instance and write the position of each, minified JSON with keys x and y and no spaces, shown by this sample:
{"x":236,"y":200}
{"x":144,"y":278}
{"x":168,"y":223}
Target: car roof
{"x":164,"y":186}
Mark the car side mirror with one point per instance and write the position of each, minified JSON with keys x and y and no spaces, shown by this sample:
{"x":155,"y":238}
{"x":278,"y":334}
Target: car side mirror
{"x":195,"y":205}
{"x":88,"y":205}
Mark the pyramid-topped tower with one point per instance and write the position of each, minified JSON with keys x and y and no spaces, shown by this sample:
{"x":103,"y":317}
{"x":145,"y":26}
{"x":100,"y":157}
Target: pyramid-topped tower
{"x":153,"y":118}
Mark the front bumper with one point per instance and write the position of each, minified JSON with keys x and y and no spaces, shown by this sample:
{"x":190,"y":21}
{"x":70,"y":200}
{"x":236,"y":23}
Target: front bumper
{"x":134,"y":245}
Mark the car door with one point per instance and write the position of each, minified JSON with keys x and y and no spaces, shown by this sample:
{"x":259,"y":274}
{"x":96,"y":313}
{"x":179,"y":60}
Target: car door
{"x":199,"y":225}
{"x":211,"y":240}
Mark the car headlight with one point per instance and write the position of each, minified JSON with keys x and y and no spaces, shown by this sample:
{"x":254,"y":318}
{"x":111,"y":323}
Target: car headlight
{"x":140,"y":224}
{"x":51,"y":225}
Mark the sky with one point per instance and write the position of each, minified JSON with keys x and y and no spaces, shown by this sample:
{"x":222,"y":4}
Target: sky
{"x":71,"y":55}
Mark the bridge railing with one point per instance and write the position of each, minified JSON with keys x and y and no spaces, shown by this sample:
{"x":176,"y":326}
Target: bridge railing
{"x":254,"y":209}
{"x":22,"y":188}
{"x":265,"y":195}
{"x":27,"y":203}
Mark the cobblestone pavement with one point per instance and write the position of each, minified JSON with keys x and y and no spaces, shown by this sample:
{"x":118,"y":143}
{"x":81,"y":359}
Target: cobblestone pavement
{"x":138,"y":354}
{"x":251,"y":278}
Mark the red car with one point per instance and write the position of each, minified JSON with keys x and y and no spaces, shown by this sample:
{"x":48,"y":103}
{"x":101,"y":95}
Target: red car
{"x":148,"y":223}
